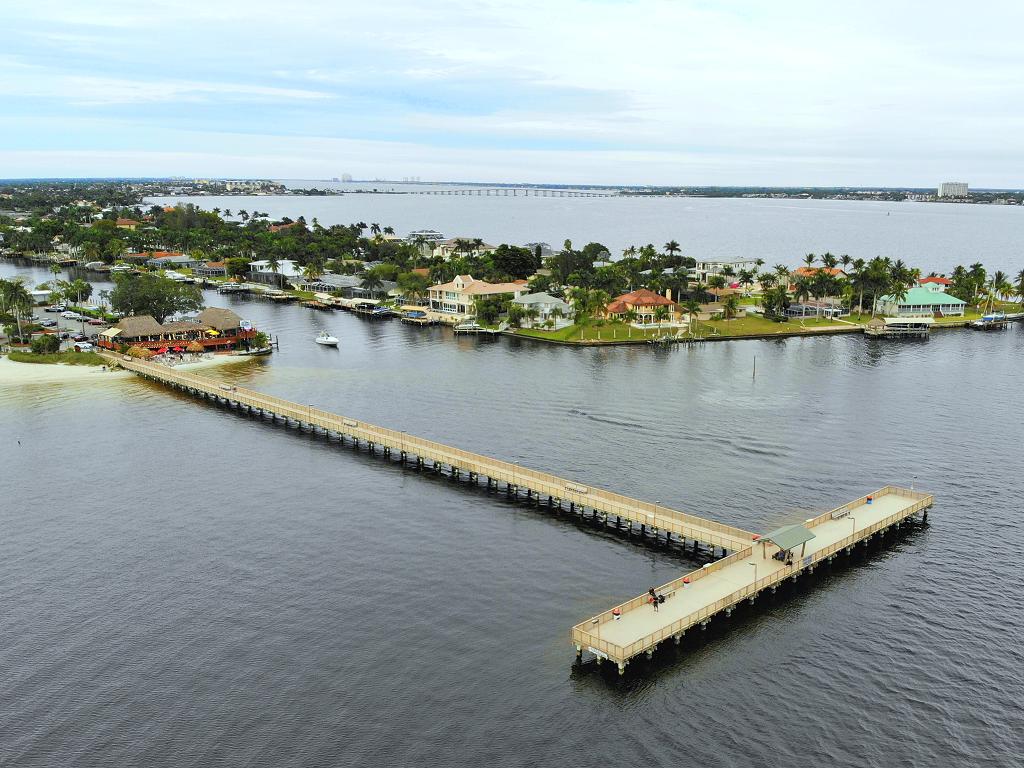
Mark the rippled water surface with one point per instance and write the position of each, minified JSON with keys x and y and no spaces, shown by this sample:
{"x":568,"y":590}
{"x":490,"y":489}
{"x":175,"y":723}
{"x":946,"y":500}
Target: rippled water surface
{"x":183,"y":586}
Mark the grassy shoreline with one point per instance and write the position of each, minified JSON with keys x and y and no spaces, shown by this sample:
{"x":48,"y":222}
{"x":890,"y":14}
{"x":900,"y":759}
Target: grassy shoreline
{"x":59,"y":358}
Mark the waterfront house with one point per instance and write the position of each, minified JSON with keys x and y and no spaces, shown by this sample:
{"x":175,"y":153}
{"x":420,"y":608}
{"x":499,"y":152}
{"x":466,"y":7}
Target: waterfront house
{"x":921,"y":301}
{"x":216,"y":328}
{"x":130,"y":224}
{"x":828,"y":307}
{"x":446,"y":249}
{"x":168,"y":260}
{"x":287,"y":269}
{"x":942,"y":282}
{"x":706,"y":268}
{"x":548,"y":308}
{"x":211,"y":269}
{"x":345,"y":286}
{"x":458,"y":296}
{"x":643,"y":302}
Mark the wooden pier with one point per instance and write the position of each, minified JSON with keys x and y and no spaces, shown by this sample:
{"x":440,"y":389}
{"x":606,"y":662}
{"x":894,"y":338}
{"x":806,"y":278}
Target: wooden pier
{"x":605,"y":507}
{"x":758,"y":563}
{"x":625,"y":631}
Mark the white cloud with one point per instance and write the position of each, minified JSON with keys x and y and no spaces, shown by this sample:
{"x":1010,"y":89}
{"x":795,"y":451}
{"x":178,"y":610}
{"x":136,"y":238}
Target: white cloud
{"x":900,"y":91}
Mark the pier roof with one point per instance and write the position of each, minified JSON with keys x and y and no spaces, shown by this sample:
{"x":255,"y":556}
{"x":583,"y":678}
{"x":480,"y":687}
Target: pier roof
{"x":788,"y":536}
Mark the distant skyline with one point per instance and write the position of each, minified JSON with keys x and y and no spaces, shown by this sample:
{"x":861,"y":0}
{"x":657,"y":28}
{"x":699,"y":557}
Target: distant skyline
{"x":581,"y":91}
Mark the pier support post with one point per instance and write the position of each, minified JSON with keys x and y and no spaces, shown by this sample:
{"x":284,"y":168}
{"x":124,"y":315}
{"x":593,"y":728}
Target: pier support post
{"x":579,"y":651}
{"x":622,"y":668}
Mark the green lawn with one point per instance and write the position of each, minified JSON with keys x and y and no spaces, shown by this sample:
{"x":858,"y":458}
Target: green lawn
{"x":68,"y":358}
{"x":753,"y":325}
{"x":969,"y":315}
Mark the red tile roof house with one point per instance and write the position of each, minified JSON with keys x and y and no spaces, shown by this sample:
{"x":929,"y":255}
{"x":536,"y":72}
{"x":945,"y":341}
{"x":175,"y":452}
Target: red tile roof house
{"x":643,"y":302}
{"x":943,"y":281}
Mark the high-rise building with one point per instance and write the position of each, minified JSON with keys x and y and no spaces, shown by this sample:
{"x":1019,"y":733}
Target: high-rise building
{"x":953,"y":189}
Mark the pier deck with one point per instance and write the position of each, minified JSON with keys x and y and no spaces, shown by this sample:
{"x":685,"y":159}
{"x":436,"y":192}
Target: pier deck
{"x":650,"y":518}
{"x":693,"y":599}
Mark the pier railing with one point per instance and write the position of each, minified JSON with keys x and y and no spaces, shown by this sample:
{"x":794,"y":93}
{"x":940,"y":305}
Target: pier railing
{"x":656,"y":516}
{"x":583,"y":635}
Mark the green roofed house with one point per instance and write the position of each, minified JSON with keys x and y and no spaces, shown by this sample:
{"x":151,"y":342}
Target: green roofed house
{"x":921,"y":301}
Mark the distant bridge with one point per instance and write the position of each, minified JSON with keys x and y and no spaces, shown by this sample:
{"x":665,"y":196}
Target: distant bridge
{"x":516,"y":192}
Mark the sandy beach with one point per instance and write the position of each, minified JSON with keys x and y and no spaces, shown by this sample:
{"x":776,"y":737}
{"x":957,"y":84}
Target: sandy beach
{"x":17,"y":374}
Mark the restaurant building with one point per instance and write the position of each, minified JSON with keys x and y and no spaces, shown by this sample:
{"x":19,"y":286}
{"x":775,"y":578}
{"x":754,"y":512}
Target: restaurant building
{"x":216,"y":329}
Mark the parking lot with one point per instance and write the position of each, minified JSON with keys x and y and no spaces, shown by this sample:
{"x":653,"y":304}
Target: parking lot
{"x":70,"y":327}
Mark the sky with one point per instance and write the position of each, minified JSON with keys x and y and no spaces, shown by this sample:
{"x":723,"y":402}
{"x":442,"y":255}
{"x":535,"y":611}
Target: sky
{"x":661,"y":92}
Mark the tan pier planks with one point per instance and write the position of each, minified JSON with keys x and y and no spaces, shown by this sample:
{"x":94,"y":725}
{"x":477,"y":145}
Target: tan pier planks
{"x":638,"y":512}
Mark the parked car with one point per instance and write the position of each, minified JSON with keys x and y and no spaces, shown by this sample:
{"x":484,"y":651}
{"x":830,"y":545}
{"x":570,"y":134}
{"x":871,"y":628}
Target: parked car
{"x":80,"y":337}
{"x":48,"y":323}
{"x":55,"y":308}
{"x":65,"y":336}
{"x":69,"y":315}
{"x":83,"y":346}
{"x":97,"y":321}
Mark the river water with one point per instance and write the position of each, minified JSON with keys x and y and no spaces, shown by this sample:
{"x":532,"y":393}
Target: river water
{"x":183,"y":586}
{"x":932,"y":236}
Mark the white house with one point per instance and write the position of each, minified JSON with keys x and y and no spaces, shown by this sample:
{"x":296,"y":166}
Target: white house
{"x":548,"y":308}
{"x":286,"y":268}
{"x":705,"y":268}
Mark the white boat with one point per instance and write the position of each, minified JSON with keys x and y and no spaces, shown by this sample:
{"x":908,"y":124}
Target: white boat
{"x":326,"y":339}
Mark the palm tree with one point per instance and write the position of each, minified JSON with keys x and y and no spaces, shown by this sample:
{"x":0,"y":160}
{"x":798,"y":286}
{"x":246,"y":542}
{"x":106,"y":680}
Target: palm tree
{"x":1000,"y":284}
{"x":828,"y":260}
{"x":809,"y":259}
{"x":389,"y":230}
{"x":372,"y":282}
{"x":768,"y":280}
{"x":1020,"y":286}
{"x":672,"y":248}
{"x":845,"y":260}
{"x":15,"y":298}
{"x":531,"y":314}
{"x":661,"y":313}
{"x":375,"y":229}
{"x":731,"y":306}
{"x":273,"y":263}
{"x":91,"y":251}
{"x":312,"y":271}
{"x":692,"y":307}
{"x":781,"y":270}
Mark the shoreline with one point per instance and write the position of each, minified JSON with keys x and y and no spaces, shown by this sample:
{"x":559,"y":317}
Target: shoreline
{"x":13,"y":373}
{"x":829,"y":331}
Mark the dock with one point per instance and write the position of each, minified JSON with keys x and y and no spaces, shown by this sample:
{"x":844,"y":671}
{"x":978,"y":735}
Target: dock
{"x":630,"y":629}
{"x":624,"y":513}
{"x":750,"y":563}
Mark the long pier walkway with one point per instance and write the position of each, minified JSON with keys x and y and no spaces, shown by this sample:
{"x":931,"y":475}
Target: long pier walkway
{"x":650,"y":518}
{"x":757,"y":563}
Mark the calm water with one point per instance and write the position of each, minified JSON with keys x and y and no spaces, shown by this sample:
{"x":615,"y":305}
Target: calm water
{"x":929,"y":235}
{"x":182,"y":586}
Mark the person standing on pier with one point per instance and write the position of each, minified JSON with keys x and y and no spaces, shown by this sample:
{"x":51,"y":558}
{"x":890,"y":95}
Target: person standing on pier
{"x":653,"y":599}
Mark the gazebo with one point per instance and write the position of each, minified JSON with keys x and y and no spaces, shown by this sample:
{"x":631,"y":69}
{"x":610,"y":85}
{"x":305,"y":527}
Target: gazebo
{"x":786,"y":539}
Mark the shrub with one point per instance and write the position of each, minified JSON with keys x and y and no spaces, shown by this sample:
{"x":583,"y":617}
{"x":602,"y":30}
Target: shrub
{"x":45,"y":345}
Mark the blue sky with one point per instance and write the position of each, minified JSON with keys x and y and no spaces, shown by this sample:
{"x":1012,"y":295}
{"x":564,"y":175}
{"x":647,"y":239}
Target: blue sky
{"x":587,"y":91}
